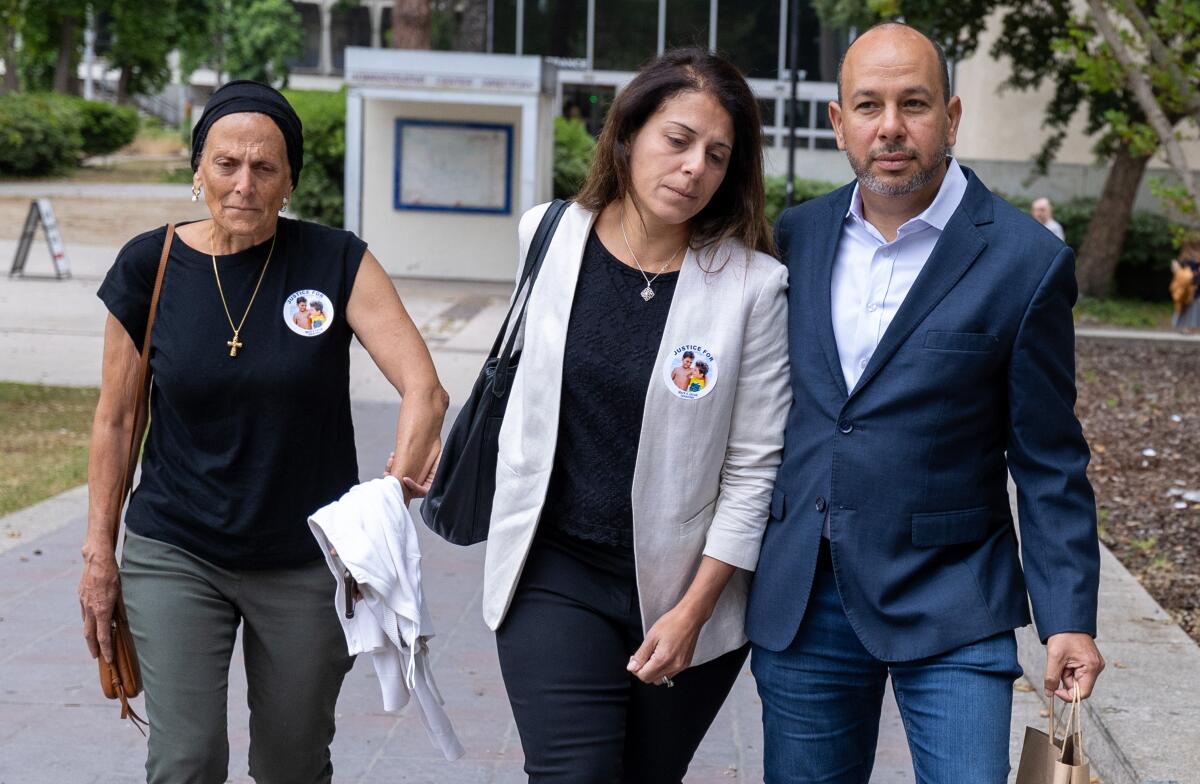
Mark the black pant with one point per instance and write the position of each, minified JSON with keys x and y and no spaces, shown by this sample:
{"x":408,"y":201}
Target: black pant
{"x":582,"y":717}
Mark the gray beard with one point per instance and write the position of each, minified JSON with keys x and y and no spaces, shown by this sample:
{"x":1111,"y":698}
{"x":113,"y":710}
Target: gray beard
{"x":874,"y":184}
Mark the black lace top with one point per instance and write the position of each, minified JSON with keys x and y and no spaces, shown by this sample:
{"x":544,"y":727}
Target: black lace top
{"x":612,"y":341}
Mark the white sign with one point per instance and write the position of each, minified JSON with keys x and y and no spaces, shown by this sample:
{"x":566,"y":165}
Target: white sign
{"x":462,"y":167}
{"x":41,"y":212}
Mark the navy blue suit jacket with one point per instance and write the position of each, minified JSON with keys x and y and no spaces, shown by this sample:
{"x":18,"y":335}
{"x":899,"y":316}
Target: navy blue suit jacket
{"x":974,"y":378}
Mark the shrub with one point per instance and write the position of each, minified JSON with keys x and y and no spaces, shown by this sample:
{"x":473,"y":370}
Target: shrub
{"x":573,"y":149}
{"x":46,"y":133}
{"x":319,"y":196}
{"x":1144,"y":268}
{"x":106,"y":128}
{"x":805,"y":190}
{"x":39,"y":135}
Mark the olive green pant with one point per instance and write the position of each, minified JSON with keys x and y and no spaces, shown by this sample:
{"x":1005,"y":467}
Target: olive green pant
{"x":184,"y":614}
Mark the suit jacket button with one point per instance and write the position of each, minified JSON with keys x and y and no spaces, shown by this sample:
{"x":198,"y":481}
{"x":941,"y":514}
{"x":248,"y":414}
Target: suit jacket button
{"x":846,"y":426}
{"x":821,"y":505}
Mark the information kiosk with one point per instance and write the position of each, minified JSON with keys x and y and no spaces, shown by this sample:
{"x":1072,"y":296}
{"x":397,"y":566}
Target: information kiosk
{"x":444,"y":152}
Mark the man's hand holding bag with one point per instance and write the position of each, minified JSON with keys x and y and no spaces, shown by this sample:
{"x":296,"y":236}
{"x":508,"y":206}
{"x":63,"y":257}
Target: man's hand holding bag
{"x":1047,"y":758}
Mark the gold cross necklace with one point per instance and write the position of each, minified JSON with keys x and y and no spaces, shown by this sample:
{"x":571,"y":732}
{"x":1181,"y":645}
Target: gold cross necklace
{"x":235,"y":344}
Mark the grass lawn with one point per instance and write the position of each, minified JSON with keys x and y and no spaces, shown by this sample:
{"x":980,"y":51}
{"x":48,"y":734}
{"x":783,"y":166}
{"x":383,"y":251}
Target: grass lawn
{"x":1128,"y":313}
{"x":44,"y":435}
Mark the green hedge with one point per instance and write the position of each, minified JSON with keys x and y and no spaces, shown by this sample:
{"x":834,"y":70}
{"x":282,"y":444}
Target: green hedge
{"x":46,"y":133}
{"x":573,"y":148}
{"x":1144,"y":269}
{"x":105,"y":128}
{"x":38,"y":135}
{"x":319,"y":196}
{"x":805,"y":190}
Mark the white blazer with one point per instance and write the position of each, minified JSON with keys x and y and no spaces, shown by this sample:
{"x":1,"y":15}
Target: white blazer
{"x":705,"y":466}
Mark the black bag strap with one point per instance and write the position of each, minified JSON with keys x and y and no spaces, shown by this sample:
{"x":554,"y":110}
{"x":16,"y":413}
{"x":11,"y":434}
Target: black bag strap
{"x":533,"y":264}
{"x":533,"y":259}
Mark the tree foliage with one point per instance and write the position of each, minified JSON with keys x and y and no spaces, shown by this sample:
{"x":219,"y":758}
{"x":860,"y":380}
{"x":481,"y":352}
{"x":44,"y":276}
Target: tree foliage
{"x":956,"y":26}
{"x":42,"y":26}
{"x":1030,"y":39}
{"x":10,"y":25}
{"x":251,"y":39}
{"x":141,"y":42}
{"x":1049,"y":42}
{"x":261,"y":36}
{"x":241,"y":39}
{"x":1152,"y":53}
{"x":319,"y":196}
{"x":573,"y":148}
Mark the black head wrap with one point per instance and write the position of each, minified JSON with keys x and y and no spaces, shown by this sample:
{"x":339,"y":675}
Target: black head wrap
{"x":247,"y":96}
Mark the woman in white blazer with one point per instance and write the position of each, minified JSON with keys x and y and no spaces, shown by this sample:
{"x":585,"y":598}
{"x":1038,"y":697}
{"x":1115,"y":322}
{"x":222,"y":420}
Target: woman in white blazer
{"x":643,"y":431}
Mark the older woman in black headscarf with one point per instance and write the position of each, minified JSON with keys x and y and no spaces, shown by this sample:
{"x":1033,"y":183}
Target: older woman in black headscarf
{"x":217,"y":534}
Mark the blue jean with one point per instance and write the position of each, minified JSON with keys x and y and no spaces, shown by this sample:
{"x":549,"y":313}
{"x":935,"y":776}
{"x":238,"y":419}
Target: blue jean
{"x":822,"y":696}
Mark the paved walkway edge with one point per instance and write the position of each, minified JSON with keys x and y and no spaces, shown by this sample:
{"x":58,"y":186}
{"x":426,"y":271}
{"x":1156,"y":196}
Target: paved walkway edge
{"x":26,"y":525}
{"x":1116,"y":333}
{"x":1142,"y":723}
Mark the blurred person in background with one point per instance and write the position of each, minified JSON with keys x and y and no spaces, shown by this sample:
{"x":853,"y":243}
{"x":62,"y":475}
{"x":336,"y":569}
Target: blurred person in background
{"x":1043,"y":213}
{"x":1185,"y":272}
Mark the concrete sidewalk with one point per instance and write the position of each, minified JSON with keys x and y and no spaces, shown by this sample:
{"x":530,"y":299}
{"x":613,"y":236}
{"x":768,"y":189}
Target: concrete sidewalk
{"x":55,"y":727}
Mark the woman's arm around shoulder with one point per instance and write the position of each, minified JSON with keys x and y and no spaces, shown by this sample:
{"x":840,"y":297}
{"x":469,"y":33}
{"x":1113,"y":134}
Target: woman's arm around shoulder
{"x":381,"y":323}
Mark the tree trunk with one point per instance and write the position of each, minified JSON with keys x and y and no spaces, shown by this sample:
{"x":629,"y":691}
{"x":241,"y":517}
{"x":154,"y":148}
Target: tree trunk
{"x":65,"y":78}
{"x":123,"y":96}
{"x":472,"y":30}
{"x":1101,"y":249}
{"x":8,"y":50}
{"x":411,"y":24}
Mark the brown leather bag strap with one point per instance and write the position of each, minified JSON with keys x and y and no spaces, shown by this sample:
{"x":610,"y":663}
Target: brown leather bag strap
{"x":141,"y":413}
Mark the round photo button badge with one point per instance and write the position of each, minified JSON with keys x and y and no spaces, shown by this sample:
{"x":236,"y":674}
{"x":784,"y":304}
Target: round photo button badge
{"x":308,"y":312}
{"x":691,"y":371}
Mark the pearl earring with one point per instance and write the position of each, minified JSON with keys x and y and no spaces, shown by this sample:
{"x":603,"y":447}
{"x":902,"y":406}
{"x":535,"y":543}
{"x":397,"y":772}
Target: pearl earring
{"x":286,"y":201}
{"x":195,"y":193}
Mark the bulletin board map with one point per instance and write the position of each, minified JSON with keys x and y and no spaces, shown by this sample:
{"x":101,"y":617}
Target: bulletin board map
{"x":459,"y":167}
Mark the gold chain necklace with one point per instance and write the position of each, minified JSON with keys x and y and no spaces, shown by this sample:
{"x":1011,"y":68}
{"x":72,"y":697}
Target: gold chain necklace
{"x":235,"y":344}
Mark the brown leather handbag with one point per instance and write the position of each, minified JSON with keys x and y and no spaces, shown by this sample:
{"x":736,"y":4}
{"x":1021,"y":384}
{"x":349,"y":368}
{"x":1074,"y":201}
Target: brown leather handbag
{"x":122,"y":679}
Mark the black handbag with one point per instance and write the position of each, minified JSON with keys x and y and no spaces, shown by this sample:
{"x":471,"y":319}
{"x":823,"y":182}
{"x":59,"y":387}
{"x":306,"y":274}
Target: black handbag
{"x":458,"y":507}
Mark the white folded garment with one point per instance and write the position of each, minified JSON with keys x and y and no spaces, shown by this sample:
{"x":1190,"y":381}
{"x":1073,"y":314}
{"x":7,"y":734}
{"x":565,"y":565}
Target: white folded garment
{"x":376,"y":539}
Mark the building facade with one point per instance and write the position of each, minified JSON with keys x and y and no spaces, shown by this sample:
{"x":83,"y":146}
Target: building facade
{"x":597,"y":46}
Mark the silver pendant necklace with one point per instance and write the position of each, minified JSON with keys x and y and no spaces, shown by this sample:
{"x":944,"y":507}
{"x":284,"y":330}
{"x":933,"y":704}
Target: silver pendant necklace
{"x":647,"y":293}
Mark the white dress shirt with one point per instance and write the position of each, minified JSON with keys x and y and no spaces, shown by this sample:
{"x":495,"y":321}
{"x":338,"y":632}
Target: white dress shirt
{"x":871,"y":276}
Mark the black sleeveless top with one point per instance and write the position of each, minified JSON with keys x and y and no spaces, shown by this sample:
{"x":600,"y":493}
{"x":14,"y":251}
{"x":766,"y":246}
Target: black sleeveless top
{"x":613,"y":338}
{"x":242,"y":449}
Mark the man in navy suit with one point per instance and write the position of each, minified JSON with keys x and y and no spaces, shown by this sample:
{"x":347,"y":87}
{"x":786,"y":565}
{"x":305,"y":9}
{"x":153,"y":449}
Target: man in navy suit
{"x":932,"y":351}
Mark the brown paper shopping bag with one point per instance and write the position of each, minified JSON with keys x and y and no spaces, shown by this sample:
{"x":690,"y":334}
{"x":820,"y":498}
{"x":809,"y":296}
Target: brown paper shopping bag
{"x":1049,"y":759}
